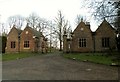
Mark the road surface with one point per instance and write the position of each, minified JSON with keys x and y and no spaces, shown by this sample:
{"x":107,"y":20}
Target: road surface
{"x":55,"y":67}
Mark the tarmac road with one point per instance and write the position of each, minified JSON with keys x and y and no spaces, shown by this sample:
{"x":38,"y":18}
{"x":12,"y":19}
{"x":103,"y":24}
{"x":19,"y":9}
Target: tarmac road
{"x":55,"y":67}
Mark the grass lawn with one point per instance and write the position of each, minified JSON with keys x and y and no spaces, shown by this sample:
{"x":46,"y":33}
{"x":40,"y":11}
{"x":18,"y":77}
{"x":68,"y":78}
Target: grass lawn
{"x":92,"y":57}
{"x":14,"y":56}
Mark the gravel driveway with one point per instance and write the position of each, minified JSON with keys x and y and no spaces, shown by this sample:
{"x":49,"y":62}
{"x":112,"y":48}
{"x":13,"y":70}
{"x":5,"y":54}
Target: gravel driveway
{"x":55,"y":67}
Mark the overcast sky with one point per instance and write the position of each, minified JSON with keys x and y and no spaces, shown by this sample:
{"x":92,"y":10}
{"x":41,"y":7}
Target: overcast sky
{"x":44,"y":8}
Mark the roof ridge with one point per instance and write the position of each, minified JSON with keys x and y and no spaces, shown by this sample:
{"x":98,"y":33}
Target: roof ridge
{"x":105,"y":21}
{"x":35,"y":32}
{"x":82,"y":22}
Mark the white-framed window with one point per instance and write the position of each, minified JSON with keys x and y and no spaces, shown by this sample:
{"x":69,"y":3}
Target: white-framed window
{"x":26,"y":44}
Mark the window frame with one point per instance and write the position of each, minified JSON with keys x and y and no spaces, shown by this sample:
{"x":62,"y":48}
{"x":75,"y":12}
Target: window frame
{"x":105,"y":42}
{"x":82,"y":42}
{"x":26,"y":44}
{"x":13,"y":44}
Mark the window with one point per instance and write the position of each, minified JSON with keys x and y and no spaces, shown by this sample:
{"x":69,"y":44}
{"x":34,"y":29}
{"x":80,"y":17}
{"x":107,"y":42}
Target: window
{"x":82,"y":29}
{"x":105,"y":42}
{"x":13,"y":44}
{"x":26,"y":32}
{"x":26,"y":44}
{"x":82,"y":42}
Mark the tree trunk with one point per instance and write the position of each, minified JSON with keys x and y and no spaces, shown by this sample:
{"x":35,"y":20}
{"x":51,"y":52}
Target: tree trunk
{"x":60,"y":45}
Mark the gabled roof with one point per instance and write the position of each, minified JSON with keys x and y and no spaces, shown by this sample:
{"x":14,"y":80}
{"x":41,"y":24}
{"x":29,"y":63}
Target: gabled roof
{"x":35,"y":32}
{"x":18,"y":30}
{"x":82,"y":23}
{"x":105,"y":23}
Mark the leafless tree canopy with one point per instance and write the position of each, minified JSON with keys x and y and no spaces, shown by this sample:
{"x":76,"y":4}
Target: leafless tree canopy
{"x":16,"y":20}
{"x":33,"y":20}
{"x":79,"y":18}
{"x":101,"y":9}
{"x":4,"y":30}
{"x":117,"y":19}
{"x":37,"y":23}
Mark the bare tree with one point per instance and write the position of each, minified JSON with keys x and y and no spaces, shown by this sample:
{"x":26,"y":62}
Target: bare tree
{"x":47,"y":27}
{"x":101,"y":9}
{"x":61,"y":25}
{"x":37,"y":23}
{"x":117,"y":24}
{"x":32,"y":20}
{"x":4,"y":31}
{"x":79,"y":18}
{"x":16,"y":20}
{"x":42,"y":25}
{"x":117,"y":19}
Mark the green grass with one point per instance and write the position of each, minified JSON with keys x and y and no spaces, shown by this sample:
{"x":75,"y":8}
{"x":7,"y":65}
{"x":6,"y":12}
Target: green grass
{"x":15,"y":56}
{"x":96,"y":57}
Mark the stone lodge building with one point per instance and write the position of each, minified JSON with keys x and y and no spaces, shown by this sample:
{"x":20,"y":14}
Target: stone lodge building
{"x":84,"y":40}
{"x":28,"y":40}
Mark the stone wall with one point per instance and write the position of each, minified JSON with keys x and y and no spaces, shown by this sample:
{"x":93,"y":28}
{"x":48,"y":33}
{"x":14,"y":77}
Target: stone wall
{"x":93,"y":39}
{"x":12,"y":36}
